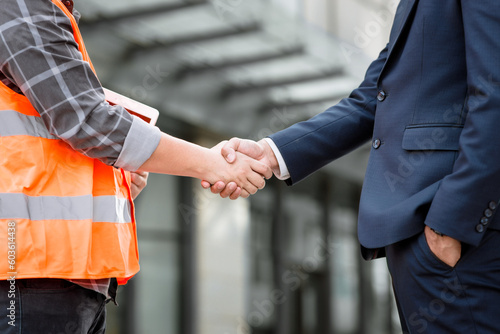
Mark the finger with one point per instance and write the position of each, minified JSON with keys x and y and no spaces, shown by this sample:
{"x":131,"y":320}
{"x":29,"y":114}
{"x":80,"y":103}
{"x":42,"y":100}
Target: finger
{"x":250,"y":148}
{"x":257,"y":181}
{"x":258,"y":167}
{"x":228,"y":190}
{"x":236,"y":194}
{"x":135,"y":191}
{"x":139,"y":179}
{"x":250,"y":187}
{"x":261,"y":168}
{"x":205,"y":184}
{"x":133,"y":177}
{"x":244,"y":193}
{"x":218,"y":187}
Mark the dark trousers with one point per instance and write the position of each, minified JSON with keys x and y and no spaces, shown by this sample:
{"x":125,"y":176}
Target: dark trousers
{"x":433,"y":297}
{"x":50,"y":306}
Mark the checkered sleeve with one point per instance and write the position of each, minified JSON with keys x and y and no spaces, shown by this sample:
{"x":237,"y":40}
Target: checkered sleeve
{"x":40,"y":59}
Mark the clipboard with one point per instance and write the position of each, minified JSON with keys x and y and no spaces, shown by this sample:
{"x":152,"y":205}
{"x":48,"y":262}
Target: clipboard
{"x":141,"y":110}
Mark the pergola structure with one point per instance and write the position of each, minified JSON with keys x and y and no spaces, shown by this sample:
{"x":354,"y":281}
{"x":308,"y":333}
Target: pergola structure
{"x":247,"y":68}
{"x":231,"y":67}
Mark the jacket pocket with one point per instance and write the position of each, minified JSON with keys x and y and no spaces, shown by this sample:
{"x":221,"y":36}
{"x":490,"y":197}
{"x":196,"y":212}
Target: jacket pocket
{"x":432,"y":137}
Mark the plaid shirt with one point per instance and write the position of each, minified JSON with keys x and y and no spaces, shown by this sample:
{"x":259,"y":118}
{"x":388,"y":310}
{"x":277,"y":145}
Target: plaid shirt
{"x":40,"y":59}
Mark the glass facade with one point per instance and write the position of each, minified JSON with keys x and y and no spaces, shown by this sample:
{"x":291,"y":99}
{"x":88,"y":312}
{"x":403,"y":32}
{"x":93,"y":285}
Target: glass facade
{"x":150,"y":302}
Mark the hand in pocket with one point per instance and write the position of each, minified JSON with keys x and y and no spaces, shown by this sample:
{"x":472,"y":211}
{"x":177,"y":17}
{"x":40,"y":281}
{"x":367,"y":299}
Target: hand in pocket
{"x":444,"y":248}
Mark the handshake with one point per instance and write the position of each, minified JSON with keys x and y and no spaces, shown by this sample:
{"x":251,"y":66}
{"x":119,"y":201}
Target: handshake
{"x":246,"y":167}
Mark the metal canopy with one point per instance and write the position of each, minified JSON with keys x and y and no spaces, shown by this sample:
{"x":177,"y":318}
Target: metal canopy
{"x":228,"y":66}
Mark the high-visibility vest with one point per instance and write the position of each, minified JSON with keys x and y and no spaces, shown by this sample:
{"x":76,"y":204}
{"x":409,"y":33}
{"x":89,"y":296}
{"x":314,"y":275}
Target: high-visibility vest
{"x":62,"y":214}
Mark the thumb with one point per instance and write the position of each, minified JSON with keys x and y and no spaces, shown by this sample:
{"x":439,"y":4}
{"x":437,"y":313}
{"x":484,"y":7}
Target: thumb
{"x":229,"y":149}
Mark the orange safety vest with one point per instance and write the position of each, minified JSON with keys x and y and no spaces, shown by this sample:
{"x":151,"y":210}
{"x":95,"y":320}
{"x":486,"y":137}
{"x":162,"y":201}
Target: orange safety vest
{"x":62,"y":214}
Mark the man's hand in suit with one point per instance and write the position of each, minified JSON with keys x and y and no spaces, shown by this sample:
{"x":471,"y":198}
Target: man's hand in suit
{"x":445,"y":248}
{"x":260,"y":151}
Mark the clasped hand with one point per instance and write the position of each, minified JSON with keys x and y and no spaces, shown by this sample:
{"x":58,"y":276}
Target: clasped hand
{"x":237,"y":151}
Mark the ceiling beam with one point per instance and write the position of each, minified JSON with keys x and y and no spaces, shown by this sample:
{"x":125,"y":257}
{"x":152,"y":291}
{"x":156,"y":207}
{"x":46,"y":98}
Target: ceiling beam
{"x":247,"y":87}
{"x":241,"y":61}
{"x":139,"y":13}
{"x":272,"y":104}
{"x":196,"y":38}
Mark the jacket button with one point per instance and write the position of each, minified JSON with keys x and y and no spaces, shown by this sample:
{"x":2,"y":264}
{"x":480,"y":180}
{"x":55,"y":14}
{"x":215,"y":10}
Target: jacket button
{"x":381,"y":96}
{"x":376,"y":143}
{"x":480,"y":228}
{"x":492,"y":205}
{"x":485,"y":221}
{"x":488,"y":213}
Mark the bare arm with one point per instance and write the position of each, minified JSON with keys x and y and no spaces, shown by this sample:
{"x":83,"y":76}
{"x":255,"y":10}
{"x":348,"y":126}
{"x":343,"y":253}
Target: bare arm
{"x":178,"y":157}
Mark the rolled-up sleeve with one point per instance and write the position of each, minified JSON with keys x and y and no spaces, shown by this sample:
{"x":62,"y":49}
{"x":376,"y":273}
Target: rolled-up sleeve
{"x":139,"y":145}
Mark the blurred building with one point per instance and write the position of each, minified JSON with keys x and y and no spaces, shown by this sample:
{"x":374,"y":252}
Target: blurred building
{"x":287,"y":260}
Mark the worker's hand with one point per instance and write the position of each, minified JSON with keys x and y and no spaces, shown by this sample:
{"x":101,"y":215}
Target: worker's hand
{"x":231,"y":190}
{"x":139,"y":182}
{"x":245,"y":172}
{"x":242,"y":177}
{"x":260,"y":151}
{"x":445,"y":248}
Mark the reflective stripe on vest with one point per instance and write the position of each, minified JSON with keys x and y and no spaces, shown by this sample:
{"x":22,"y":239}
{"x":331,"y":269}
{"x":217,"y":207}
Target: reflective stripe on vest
{"x":105,"y":209}
{"x":73,"y":216}
{"x":17,"y":124}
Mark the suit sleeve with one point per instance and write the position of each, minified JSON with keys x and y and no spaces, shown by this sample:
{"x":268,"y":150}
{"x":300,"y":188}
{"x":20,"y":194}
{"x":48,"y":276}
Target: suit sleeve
{"x":310,"y":145}
{"x":467,"y":199}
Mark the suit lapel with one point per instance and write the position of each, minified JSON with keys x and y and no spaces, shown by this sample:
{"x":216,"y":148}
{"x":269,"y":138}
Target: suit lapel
{"x":402,"y":20}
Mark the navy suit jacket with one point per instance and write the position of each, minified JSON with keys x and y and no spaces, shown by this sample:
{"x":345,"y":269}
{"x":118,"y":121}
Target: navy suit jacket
{"x":430,"y":104}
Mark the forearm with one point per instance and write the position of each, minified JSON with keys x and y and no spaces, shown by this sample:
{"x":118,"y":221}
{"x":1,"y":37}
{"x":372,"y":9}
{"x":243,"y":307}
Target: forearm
{"x":175,"y":156}
{"x":334,"y":132}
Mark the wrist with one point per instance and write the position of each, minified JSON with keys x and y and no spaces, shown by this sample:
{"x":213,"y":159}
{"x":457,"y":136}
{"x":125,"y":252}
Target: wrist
{"x":437,"y":232}
{"x":207,"y":165}
{"x":269,"y":156}
{"x":438,"y":237}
